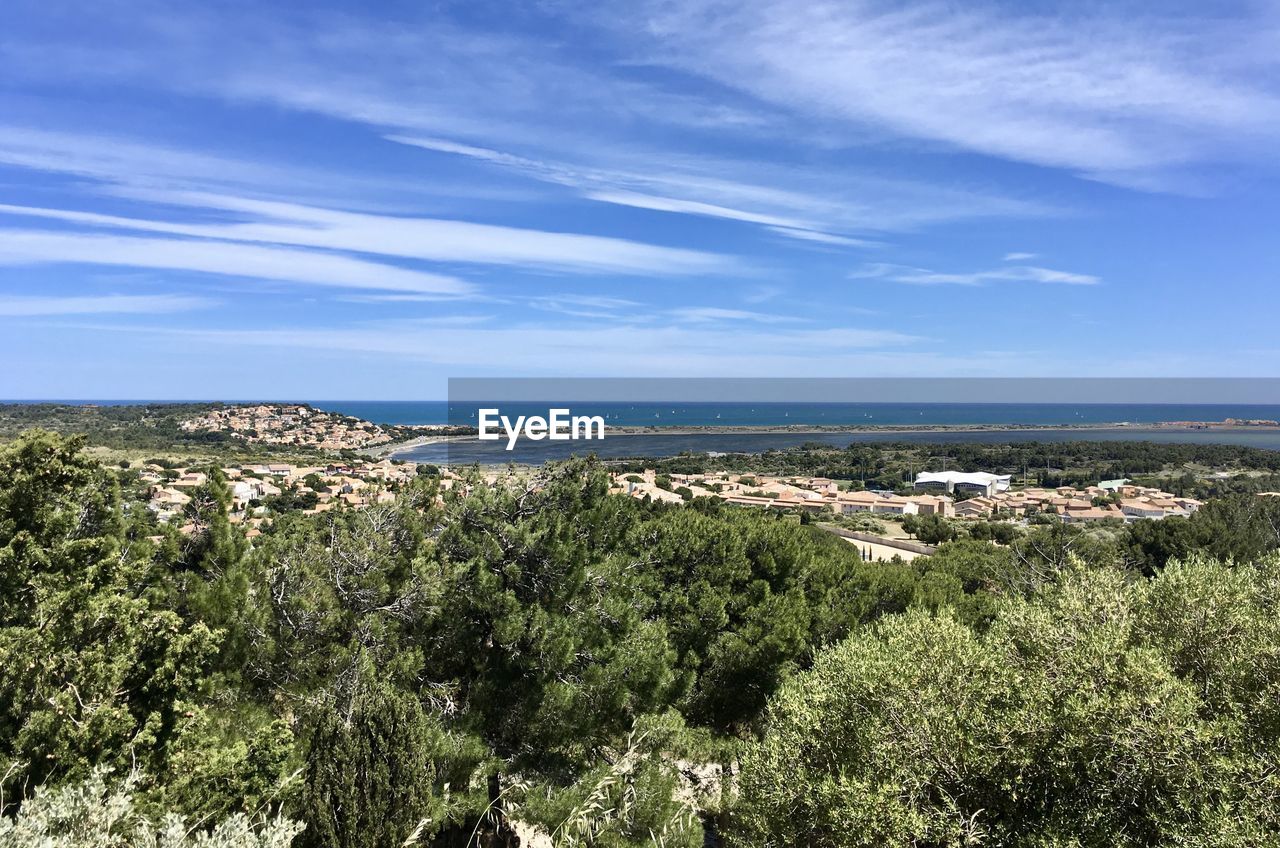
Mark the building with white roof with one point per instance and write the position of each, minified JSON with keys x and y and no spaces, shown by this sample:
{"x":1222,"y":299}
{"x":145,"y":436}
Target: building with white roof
{"x":972,"y":481}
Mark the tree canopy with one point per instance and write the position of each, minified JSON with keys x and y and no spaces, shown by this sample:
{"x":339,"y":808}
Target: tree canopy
{"x":534,"y":652}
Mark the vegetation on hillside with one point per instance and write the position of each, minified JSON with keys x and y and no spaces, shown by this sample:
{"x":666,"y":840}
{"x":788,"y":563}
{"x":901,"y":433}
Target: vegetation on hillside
{"x":470,"y":661}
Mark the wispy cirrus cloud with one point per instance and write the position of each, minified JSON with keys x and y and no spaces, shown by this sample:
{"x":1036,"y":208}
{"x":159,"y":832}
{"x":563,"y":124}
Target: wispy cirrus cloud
{"x":715,"y":314}
{"x":669,"y":349}
{"x":1018,"y":257}
{"x":810,"y":205}
{"x":588,"y":306}
{"x":623,"y":311}
{"x":926,"y":277}
{"x":114,"y":304}
{"x":131,"y":161}
{"x":429,"y":239}
{"x":1116,"y":96}
{"x":480,"y":95}
{"x":36,"y":247}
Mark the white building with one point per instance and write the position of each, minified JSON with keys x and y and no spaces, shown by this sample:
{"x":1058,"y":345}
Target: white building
{"x":975,"y":481}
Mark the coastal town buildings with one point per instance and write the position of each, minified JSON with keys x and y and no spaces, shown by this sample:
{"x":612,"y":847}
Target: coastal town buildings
{"x":290,"y":424}
{"x":1121,"y":500}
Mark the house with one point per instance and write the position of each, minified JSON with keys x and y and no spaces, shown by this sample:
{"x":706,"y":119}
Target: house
{"x":190,"y":480}
{"x":1091,"y":513}
{"x":895,"y":505}
{"x":1141,"y":509}
{"x":975,"y":508}
{"x":851,"y":502}
{"x":743,"y":500}
{"x":939,"y":505}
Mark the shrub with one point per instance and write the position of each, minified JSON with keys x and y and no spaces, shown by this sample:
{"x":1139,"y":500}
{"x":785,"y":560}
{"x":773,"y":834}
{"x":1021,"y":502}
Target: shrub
{"x":92,"y":814}
{"x":1098,"y":712}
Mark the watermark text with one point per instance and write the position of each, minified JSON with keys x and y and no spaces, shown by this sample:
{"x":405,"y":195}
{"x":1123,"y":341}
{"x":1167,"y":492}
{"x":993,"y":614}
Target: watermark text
{"x":559,"y":425}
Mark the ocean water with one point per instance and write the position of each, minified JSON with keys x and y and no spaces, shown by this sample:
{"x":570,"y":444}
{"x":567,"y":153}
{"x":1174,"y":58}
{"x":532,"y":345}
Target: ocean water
{"x":821,"y":414}
{"x":778,"y":414}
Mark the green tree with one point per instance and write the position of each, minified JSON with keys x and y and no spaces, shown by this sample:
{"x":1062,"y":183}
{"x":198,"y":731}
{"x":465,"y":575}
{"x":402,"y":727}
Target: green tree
{"x":542,"y":636}
{"x":746,"y":596}
{"x":379,"y":771}
{"x":93,"y":667}
{"x":932,"y":529}
{"x":1238,"y":528}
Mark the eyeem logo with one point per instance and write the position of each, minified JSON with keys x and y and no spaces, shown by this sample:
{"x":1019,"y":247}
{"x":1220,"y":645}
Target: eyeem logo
{"x":558,"y":426}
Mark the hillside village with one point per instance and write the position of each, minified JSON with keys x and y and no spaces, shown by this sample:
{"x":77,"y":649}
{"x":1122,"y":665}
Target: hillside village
{"x":291,"y":424}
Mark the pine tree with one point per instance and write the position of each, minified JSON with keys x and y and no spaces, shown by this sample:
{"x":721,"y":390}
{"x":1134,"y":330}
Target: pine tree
{"x":377,"y":771}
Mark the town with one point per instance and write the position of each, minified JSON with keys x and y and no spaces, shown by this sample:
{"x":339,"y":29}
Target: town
{"x":255,"y":488}
{"x":976,"y":495}
{"x":290,"y":424}
{"x":886,"y":520}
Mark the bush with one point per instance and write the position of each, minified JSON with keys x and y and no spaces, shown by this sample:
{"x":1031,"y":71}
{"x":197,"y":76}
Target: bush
{"x":1099,"y":712}
{"x":93,"y":815}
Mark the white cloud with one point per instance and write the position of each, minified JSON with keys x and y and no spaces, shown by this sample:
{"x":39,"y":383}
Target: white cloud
{"x":420,"y":80}
{"x":616,"y":350}
{"x":699,"y":314}
{"x":31,"y":247}
{"x":691,"y":207}
{"x":588,"y":300}
{"x":412,"y":238}
{"x":808,"y":204}
{"x":1018,"y":257}
{"x":762,"y":294}
{"x":926,"y":277}
{"x":1096,"y":93}
{"x":129,"y":161}
{"x":587,"y":306}
{"x":30,"y":306}
{"x":116,"y":158}
{"x":823,"y":238}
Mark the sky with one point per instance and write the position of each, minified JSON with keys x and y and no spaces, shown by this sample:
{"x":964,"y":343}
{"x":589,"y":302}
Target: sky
{"x":337,"y":200}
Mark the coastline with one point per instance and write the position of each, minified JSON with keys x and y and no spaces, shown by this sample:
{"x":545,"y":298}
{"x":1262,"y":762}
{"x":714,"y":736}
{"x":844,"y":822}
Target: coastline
{"x":390,"y":449}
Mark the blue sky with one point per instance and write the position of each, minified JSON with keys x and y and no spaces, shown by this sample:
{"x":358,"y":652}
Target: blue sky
{"x":322,"y":200}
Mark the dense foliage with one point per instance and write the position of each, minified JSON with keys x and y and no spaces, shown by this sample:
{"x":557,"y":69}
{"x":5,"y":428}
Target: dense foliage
{"x":501,"y":644}
{"x":1100,"y":711}
{"x":475,"y":659}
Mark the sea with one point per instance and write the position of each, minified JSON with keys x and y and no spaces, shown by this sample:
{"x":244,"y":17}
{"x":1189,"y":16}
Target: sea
{"x":1126,"y":422}
{"x":687,"y":414}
